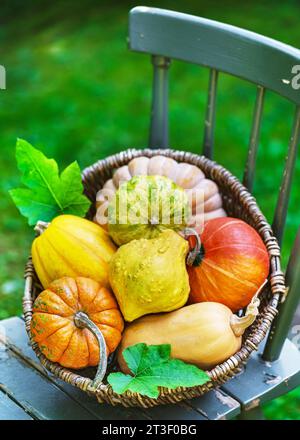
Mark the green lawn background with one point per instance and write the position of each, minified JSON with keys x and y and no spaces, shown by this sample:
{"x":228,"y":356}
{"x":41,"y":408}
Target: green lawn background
{"x":74,"y":91}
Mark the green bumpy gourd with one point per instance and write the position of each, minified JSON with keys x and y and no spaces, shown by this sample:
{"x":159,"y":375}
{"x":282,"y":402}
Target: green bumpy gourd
{"x":150,"y":276}
{"x":145,"y":206}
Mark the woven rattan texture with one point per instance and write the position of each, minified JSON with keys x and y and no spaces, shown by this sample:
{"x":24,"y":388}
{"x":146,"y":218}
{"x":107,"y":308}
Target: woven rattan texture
{"x":238,"y":202}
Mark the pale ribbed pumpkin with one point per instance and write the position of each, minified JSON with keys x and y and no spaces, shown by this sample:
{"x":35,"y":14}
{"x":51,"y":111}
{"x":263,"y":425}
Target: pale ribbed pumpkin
{"x":205,"y":198}
{"x":71,"y":246}
{"x":53,"y":325}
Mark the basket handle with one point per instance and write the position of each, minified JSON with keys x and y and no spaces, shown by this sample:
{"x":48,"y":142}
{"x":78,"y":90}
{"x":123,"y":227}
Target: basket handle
{"x":82,"y":320}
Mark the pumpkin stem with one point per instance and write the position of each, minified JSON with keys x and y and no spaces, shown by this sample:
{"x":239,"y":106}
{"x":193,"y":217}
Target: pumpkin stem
{"x":40,"y":227}
{"x":239,"y":325}
{"x":193,"y":255}
{"x":82,"y":320}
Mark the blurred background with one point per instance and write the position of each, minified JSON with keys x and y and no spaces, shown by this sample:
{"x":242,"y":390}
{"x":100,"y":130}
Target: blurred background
{"x":76,"y":92}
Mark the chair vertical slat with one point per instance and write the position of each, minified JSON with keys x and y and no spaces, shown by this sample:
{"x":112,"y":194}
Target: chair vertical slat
{"x":282,"y":322}
{"x":285,"y":189}
{"x":254,"y":139}
{"x":159,"y":128}
{"x":209,"y":128}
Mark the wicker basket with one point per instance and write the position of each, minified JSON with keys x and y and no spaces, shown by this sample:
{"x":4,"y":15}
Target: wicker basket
{"x":238,"y":203}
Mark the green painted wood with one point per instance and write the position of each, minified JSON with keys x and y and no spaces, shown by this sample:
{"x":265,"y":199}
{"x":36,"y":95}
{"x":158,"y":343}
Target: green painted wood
{"x":254,"y":139}
{"x":285,"y":189}
{"x":35,"y":393}
{"x":252,"y":414}
{"x":209,"y":123}
{"x":216,"y":405}
{"x":281,"y":324}
{"x":180,"y":411}
{"x":262,"y":381}
{"x":159,"y":127}
{"x":17,"y":340}
{"x":9,"y":410}
{"x":220,"y":46}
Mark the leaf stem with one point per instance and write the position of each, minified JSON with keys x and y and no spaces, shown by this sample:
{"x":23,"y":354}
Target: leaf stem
{"x":45,"y":181}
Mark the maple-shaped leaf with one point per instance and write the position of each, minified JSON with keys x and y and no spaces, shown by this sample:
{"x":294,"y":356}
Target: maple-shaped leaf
{"x":47,"y":194}
{"x":151,"y":368}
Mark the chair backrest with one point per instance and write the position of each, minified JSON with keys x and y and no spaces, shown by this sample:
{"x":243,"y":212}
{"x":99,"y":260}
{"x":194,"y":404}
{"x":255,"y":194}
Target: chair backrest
{"x":272,"y":65}
{"x":168,"y":35}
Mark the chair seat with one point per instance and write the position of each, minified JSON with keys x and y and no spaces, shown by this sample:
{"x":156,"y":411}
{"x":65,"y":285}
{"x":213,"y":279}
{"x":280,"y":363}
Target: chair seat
{"x":38,"y":394}
{"x":263,"y":381}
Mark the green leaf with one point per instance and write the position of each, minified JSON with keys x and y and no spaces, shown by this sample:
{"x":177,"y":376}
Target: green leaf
{"x":151,"y":368}
{"x":48,"y":194}
{"x":33,"y":206}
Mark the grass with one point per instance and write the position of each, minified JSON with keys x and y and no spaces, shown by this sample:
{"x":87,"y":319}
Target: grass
{"x":76,"y":92}
{"x":286,"y":407}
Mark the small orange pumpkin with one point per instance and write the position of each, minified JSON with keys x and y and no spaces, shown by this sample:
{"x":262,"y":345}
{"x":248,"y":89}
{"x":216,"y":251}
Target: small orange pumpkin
{"x":53,"y":325}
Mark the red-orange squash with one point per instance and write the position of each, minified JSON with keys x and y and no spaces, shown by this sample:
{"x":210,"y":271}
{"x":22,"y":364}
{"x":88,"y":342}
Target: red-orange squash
{"x":231,"y":264}
{"x":53,"y":326}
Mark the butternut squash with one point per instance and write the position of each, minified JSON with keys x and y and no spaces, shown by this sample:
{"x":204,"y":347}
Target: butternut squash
{"x":203,"y":334}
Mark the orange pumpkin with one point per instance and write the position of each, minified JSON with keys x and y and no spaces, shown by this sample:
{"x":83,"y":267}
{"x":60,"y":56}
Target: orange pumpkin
{"x":230,"y":265}
{"x":53,"y":322}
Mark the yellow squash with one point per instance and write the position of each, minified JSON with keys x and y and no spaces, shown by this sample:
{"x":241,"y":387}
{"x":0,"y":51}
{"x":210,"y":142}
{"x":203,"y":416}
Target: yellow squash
{"x":71,"y":246}
{"x":149,"y":275}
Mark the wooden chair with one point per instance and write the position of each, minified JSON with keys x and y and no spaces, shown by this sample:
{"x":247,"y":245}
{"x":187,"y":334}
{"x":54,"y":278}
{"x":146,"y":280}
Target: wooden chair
{"x":26,"y":390}
{"x":272,"y":65}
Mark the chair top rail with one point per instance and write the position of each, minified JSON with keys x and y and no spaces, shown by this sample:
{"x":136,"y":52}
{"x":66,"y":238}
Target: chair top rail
{"x":223,"y":47}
